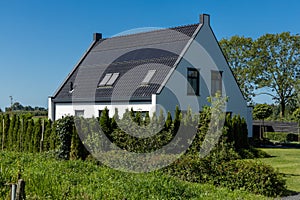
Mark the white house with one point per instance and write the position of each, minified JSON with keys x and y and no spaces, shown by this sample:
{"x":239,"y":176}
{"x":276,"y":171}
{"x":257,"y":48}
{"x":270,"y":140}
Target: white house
{"x":150,"y":71}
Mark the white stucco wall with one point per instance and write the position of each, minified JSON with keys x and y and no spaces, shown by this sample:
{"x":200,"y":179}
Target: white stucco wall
{"x":92,"y":109}
{"x":205,"y":55}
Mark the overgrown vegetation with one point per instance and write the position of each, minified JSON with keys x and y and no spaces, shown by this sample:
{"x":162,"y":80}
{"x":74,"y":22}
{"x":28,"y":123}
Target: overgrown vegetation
{"x":221,"y":167}
{"x":49,"y":178}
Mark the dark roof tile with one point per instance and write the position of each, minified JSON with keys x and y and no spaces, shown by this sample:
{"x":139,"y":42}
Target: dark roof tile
{"x":131,"y":56}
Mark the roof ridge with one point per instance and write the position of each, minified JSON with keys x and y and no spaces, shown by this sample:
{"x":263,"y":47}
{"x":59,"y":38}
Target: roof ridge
{"x":158,"y":30}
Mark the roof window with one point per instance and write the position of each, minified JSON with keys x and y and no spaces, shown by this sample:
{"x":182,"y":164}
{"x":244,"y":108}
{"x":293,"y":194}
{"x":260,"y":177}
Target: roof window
{"x":148,"y":77}
{"x":109,"y":79}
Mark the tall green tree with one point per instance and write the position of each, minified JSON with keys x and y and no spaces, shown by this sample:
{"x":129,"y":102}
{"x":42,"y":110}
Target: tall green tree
{"x":105,"y":121}
{"x":277,"y":61}
{"x":29,"y":136}
{"x":10,"y":136}
{"x":37,"y":135}
{"x":238,"y":52}
{"x":64,"y":130}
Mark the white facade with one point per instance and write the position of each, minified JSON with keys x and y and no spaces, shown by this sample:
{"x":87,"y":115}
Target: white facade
{"x":202,"y":53}
{"x":92,"y":109}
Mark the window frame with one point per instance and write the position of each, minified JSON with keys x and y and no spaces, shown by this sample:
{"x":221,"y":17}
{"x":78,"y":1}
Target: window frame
{"x":189,"y":85}
{"x":78,"y":111}
{"x":149,"y":76}
{"x":216,"y":73}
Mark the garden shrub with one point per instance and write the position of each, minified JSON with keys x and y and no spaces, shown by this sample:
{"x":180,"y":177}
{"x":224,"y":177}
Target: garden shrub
{"x":251,"y":176}
{"x":234,"y":174}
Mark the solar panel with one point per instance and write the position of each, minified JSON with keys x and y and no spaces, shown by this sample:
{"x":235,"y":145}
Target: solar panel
{"x":148,"y":77}
{"x":105,"y":79}
{"x":112,"y":79}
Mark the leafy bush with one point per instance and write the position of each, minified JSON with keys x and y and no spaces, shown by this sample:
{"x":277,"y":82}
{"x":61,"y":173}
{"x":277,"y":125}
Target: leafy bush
{"x":250,"y":176}
{"x":235,"y":174}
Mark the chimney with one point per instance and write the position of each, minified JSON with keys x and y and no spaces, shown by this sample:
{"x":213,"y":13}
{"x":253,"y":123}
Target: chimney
{"x":204,"y":19}
{"x":97,"y":36}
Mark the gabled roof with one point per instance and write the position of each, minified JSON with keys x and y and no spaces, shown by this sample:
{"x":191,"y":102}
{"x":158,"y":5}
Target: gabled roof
{"x":132,"y":56}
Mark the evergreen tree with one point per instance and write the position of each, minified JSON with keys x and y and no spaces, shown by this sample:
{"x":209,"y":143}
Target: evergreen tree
{"x":78,"y":151}
{"x":168,"y":123}
{"x":138,"y":118}
{"x":228,"y":126}
{"x":147,"y":119}
{"x":37,"y":135}
{"x":21,"y":133}
{"x":53,"y":143}
{"x":177,"y":120}
{"x":161,"y":118}
{"x":114,"y":120}
{"x":10,"y":136}
{"x":132,"y":115}
{"x":47,"y":135}
{"x":105,"y":122}
{"x":29,"y":136}
{"x":244,"y":134}
{"x":16,"y":138}
{"x":64,"y":129}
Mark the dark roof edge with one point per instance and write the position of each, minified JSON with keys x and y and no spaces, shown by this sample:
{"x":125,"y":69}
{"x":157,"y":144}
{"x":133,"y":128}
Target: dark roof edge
{"x":103,"y":100}
{"x":76,"y":66}
{"x":179,"y":58}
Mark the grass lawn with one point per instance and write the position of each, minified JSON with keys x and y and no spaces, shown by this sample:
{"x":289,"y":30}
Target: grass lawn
{"x":287,"y":161}
{"x":48,"y":178}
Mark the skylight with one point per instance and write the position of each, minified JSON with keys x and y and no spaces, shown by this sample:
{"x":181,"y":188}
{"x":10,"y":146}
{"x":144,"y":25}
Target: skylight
{"x":148,"y":77}
{"x":109,"y":79}
{"x":112,"y":79}
{"x":105,"y":79}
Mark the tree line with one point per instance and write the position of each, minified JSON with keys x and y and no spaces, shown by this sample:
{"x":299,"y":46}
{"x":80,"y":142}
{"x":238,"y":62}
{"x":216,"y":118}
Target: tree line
{"x":270,"y":62}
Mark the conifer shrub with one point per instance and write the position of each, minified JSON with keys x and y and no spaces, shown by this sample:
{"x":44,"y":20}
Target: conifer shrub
{"x":64,"y":129}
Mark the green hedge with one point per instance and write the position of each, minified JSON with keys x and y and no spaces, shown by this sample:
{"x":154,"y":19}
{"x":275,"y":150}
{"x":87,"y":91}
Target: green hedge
{"x":246,"y":175}
{"x":281,"y":136}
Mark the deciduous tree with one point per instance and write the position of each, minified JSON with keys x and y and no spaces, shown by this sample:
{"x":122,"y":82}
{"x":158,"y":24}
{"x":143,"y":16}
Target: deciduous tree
{"x":277,"y":61}
{"x":238,"y":52}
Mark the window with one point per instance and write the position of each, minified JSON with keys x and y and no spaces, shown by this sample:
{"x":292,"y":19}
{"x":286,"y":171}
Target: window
{"x":148,"y":77}
{"x":109,"y":79}
{"x":216,"y":82}
{"x":99,"y":113}
{"x":193,"y":81}
{"x":79,"y":113}
{"x":105,"y":80}
{"x":112,"y":79}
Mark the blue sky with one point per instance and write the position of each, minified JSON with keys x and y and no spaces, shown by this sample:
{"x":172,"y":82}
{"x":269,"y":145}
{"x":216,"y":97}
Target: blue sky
{"x":41,"y":41}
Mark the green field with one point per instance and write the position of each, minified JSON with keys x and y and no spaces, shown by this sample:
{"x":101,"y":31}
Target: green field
{"x":287,"y":161}
{"x":48,"y":178}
